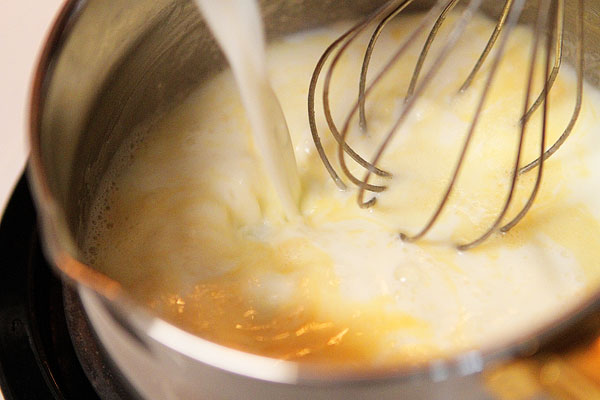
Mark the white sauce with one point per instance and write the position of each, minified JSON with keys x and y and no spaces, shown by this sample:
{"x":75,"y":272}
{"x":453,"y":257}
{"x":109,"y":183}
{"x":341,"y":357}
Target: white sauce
{"x":190,"y":230}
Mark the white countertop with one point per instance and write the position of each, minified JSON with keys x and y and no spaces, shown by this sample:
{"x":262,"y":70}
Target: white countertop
{"x":23,"y":26}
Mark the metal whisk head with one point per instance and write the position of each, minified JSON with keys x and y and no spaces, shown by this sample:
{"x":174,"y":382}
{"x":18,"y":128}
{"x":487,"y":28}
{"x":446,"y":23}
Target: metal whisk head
{"x":548,"y":33}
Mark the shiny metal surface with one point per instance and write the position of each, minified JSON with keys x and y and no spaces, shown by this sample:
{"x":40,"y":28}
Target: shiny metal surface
{"x":110,"y":66}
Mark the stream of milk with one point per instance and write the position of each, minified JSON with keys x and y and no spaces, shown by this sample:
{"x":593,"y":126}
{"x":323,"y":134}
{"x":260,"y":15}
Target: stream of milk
{"x":237,"y":26}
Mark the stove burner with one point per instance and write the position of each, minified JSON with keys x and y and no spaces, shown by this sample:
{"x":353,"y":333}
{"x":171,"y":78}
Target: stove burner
{"x":47,"y":349}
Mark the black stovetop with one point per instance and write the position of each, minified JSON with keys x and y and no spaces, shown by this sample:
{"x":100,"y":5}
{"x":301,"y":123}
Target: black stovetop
{"x":47,"y":350}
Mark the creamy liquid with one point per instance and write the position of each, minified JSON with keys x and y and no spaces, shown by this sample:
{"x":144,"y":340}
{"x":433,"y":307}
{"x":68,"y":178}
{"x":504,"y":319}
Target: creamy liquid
{"x":189,"y":230}
{"x":237,"y":26}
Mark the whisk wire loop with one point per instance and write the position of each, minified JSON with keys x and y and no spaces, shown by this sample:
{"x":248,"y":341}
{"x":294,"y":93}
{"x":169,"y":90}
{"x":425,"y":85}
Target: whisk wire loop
{"x":365,"y":66}
{"x":541,"y":17}
{"x":428,"y":42}
{"x":513,"y":16}
{"x":488,"y":46}
{"x":579,"y":96}
{"x":327,"y":107}
{"x":453,"y":37}
{"x":557,"y":61}
{"x":364,"y":185}
{"x":313,"y":87}
{"x":557,"y":10}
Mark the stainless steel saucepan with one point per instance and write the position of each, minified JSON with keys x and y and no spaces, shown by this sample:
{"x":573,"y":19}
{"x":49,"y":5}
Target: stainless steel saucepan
{"x":109,"y":66}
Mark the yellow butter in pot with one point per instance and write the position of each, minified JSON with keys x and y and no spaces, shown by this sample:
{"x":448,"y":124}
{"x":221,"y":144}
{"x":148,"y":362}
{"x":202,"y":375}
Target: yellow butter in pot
{"x":190,"y":225}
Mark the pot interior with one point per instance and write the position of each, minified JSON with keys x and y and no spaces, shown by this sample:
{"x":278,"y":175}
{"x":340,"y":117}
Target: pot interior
{"x":118,"y":68}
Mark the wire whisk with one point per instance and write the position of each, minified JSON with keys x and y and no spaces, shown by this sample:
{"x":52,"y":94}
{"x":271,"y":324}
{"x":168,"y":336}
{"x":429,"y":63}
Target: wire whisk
{"x":548,"y":28}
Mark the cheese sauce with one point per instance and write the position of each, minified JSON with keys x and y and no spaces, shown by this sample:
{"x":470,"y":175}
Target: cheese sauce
{"x":193,"y":230}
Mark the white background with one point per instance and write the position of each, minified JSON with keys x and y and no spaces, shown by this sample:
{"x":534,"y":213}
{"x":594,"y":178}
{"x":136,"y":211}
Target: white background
{"x":23,"y":27}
